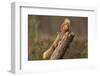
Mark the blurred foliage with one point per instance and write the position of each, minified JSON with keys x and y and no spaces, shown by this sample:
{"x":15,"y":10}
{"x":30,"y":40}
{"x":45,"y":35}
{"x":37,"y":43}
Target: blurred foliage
{"x":84,"y":53}
{"x":42,"y":31}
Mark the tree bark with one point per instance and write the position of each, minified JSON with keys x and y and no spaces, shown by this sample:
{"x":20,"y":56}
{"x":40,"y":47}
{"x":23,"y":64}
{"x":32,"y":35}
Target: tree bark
{"x":63,"y":45}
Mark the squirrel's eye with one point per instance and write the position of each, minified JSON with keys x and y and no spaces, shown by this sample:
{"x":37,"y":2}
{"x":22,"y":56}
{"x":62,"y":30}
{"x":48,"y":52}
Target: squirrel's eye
{"x":67,"y":23}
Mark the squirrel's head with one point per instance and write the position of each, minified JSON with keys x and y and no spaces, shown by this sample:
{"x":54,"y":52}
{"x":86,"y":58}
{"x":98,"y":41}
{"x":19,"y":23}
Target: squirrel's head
{"x":66,"y":21}
{"x":65,"y":25}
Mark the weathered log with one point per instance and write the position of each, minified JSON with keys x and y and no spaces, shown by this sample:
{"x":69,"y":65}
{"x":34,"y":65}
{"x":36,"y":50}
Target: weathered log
{"x":62,"y":46}
{"x":48,"y":52}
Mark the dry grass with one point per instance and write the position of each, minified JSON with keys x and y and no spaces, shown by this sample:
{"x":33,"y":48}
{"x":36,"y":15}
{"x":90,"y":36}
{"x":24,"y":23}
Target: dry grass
{"x":77,"y":49}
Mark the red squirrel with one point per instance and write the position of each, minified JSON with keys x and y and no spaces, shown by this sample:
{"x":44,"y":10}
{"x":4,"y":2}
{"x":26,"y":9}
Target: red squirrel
{"x":65,"y":27}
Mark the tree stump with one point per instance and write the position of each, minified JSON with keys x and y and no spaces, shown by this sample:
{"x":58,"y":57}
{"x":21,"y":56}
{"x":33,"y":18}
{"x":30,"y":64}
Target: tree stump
{"x":62,"y":46}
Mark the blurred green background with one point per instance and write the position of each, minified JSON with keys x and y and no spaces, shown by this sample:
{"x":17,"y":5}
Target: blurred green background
{"x":42,"y":31}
